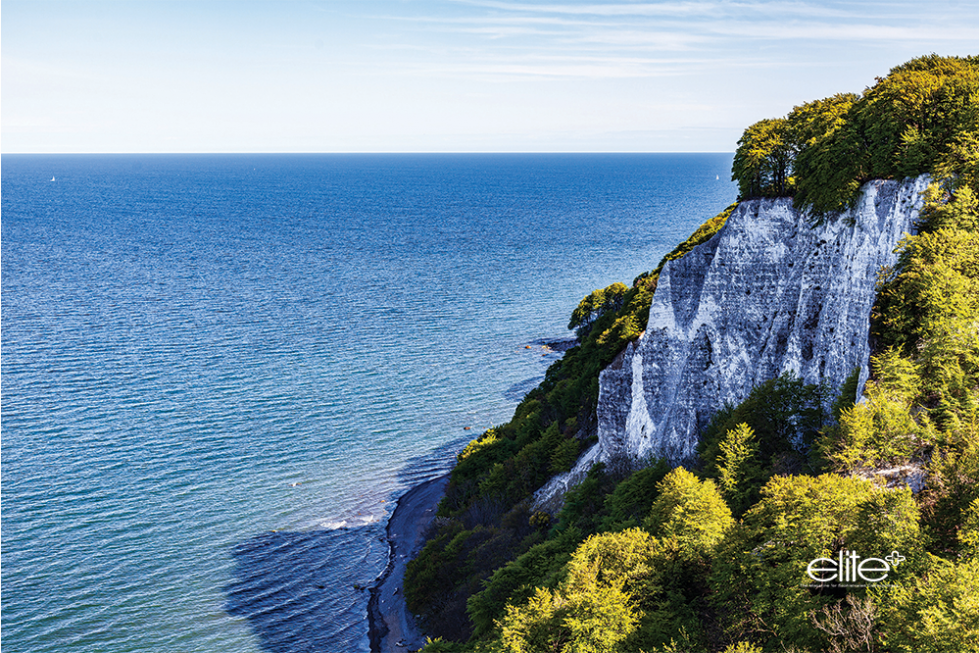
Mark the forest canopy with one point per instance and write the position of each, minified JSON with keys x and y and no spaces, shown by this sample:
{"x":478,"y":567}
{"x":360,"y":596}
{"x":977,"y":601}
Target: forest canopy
{"x":903,"y":126}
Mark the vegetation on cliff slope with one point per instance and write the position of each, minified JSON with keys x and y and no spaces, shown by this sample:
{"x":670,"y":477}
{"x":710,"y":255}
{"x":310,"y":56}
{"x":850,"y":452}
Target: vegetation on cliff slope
{"x":714,"y":557}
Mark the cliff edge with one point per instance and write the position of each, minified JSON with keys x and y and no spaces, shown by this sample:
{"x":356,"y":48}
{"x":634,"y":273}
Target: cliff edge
{"x":770,"y":293}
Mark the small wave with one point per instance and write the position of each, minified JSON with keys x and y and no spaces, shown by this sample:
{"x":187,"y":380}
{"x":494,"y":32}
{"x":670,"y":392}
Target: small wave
{"x":432,"y":464}
{"x":351,"y":522}
{"x":519,"y":390}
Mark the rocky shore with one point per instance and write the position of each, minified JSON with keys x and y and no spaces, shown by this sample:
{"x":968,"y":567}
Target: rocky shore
{"x":392,"y":626}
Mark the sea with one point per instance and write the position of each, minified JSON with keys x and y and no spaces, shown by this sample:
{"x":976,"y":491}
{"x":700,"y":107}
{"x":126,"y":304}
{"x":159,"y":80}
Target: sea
{"x":219,"y":372}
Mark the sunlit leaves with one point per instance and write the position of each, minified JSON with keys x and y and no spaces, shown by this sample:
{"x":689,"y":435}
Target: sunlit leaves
{"x":594,"y":305}
{"x":932,"y":614}
{"x":903,"y":126}
{"x":738,"y":468}
{"x":762,"y":160}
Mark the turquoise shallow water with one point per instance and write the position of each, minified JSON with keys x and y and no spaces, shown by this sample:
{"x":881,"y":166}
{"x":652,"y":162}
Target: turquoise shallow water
{"x":218,"y":372}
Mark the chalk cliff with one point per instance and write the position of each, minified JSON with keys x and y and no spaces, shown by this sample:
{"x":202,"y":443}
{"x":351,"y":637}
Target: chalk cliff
{"x":768,"y":294}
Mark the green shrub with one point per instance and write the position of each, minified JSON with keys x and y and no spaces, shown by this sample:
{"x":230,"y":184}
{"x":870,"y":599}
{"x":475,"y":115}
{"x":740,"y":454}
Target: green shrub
{"x":785,"y":414}
{"x":739,"y":474}
{"x":759,"y":572}
{"x":936,"y":612}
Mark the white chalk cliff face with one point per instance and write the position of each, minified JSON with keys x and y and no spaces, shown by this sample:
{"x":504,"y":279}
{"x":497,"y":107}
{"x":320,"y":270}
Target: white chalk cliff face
{"x":768,"y":294}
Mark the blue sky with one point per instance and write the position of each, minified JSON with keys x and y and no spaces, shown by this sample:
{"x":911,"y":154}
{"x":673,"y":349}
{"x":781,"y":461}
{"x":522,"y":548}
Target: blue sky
{"x":441,"y":75}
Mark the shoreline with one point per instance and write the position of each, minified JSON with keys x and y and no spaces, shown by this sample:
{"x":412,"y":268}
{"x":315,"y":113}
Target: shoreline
{"x":391,"y":627}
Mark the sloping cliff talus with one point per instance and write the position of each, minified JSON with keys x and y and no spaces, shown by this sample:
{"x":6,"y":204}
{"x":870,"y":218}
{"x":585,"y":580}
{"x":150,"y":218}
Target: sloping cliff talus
{"x":768,"y":294}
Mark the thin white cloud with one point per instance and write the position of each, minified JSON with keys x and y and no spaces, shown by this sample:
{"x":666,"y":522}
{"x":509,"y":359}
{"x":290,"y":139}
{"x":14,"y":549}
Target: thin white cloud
{"x":850,"y":32}
{"x":710,"y":9}
{"x":681,"y":26}
{"x":517,"y":67}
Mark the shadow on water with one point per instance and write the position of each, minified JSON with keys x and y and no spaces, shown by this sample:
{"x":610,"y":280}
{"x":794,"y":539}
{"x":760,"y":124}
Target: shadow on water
{"x":307,"y":591}
{"x":435,"y":463}
{"x":519,"y":390}
{"x":550,"y":350}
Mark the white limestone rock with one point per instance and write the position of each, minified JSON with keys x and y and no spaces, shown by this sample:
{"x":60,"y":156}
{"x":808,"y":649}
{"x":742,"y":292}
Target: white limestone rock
{"x":768,"y":294}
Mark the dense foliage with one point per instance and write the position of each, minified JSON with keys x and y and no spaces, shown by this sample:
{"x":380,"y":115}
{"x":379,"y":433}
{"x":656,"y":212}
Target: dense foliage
{"x":715,"y":557}
{"x":824,"y":150}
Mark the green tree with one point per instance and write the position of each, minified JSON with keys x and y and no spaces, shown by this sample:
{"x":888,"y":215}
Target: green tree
{"x":911,"y":116}
{"x":903,"y":126}
{"x":950,"y":204}
{"x":690,"y":511}
{"x":929,"y":310}
{"x":884,"y":429}
{"x":594,"y":608}
{"x":949,"y":499}
{"x":762,"y":159}
{"x":743,"y":647}
{"x":759,"y":571}
{"x":690,"y":518}
{"x":829,"y":173}
{"x":934,"y":613}
{"x":543,"y":565}
{"x":738,"y":471}
{"x":439,"y":645}
{"x":813,"y":121}
{"x":629,"y":503}
{"x":595,"y":305}
{"x":537,"y":626}
{"x":969,"y":538}
{"x":786,"y":416}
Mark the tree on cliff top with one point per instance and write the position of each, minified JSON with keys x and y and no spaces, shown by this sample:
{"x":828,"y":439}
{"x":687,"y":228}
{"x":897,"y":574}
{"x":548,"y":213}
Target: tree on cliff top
{"x":764,"y":160}
{"x":901,"y":127}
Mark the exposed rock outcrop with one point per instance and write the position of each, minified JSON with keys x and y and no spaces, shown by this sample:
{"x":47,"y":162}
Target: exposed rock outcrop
{"x":768,"y":294}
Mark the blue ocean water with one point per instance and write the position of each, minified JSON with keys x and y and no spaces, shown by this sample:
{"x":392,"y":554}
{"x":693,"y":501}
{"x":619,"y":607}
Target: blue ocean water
{"x":219,"y":372}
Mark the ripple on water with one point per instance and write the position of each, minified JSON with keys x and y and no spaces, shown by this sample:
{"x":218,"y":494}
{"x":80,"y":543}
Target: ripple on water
{"x":210,"y":364}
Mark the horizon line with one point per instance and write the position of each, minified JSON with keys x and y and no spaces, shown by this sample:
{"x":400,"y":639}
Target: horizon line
{"x":365,"y":153}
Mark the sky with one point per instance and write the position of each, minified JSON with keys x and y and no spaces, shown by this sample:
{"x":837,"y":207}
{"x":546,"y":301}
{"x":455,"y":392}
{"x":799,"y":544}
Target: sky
{"x":441,"y":75}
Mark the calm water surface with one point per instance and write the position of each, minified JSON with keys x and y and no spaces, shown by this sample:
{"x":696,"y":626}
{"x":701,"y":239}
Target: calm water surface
{"x":218,"y":372}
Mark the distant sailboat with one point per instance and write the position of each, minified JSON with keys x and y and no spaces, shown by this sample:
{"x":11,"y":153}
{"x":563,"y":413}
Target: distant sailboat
{"x":716,"y":178}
